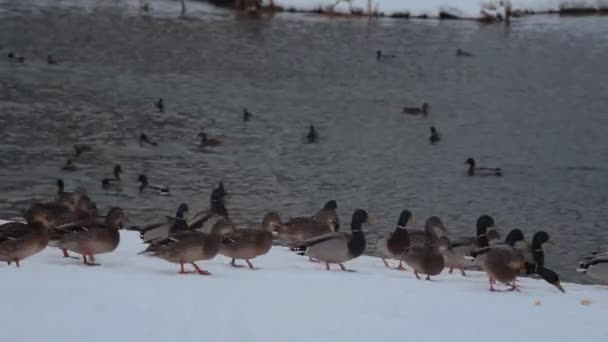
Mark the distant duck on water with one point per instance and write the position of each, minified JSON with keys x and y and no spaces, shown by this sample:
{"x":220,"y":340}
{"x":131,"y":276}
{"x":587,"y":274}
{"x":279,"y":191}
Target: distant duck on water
{"x":69,"y":166}
{"x":13,"y":58}
{"x":462,"y":53}
{"x":206,"y":141}
{"x":435,"y":136}
{"x":246,"y":115}
{"x":380,"y":55}
{"x":81,"y":148}
{"x":50,"y":60}
{"x":143,"y":139}
{"x":109,"y":182}
{"x":143,"y":184}
{"x":160,"y":105}
{"x":482,"y":171}
{"x":424,"y":110}
{"x":312,"y":136}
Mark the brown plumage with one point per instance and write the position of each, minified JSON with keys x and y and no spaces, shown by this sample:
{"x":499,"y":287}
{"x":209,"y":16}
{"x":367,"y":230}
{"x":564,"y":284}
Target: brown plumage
{"x":250,"y":243}
{"x":94,"y":238}
{"x":19,"y":241}
{"x":397,"y":243}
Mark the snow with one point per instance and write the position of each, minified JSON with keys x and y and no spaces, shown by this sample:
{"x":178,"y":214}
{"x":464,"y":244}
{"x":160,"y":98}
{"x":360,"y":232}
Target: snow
{"x":138,"y":298}
{"x":465,"y":9}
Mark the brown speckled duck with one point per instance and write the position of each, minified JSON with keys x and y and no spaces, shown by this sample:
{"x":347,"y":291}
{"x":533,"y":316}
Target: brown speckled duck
{"x":397,"y":243}
{"x":250,"y":243}
{"x":19,"y":241}
{"x":300,"y":229}
{"x":427,"y":259}
{"x":94,"y":238}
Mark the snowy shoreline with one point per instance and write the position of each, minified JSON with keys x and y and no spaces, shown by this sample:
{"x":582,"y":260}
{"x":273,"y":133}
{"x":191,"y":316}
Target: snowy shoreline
{"x":287,"y":298}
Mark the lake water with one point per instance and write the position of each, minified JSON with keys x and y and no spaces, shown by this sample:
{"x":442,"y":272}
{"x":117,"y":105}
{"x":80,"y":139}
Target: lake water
{"x":533,"y":100}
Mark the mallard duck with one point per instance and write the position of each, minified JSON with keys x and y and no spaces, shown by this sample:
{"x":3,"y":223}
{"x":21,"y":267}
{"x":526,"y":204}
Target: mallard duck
{"x":460,"y":247}
{"x":143,"y":184}
{"x":144,"y":139}
{"x":13,"y":58}
{"x":206,"y":141}
{"x":435,"y":137}
{"x":78,"y":202}
{"x":246,"y":115}
{"x":19,"y":241}
{"x":462,"y":53}
{"x":338,"y":247}
{"x":190,"y":246}
{"x":205,"y":219}
{"x":92,"y":239}
{"x":427,"y":259}
{"x":424,"y":110}
{"x":50,"y":60}
{"x":109,"y":182}
{"x":482,"y":171}
{"x":81,"y":148}
{"x":160,"y":105}
{"x":69,"y":166}
{"x":595,"y":266}
{"x":312,"y":136}
{"x":381,"y":55}
{"x":433,"y":228}
{"x":250,"y":243}
{"x":171,"y":226}
{"x":300,"y":229}
{"x":397,"y":243}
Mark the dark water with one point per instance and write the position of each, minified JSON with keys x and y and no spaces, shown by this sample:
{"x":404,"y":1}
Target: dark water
{"x":532,"y":101}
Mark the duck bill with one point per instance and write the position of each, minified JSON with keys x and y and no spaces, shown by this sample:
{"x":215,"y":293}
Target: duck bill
{"x":560,"y":287}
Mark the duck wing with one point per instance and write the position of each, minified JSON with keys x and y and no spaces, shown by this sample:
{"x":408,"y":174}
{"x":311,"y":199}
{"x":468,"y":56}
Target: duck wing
{"x":13,"y":231}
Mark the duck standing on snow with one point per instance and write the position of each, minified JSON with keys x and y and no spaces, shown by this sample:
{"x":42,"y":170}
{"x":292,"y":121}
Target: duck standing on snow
{"x":462,"y":246}
{"x":206,"y":141}
{"x":19,"y":241}
{"x":435,"y":137}
{"x":482,"y":171}
{"x":143,"y":184}
{"x":171,"y":226}
{"x":424,"y":110}
{"x":595,"y":266}
{"x":427,"y":258}
{"x":93,"y":239}
{"x":397,"y":243}
{"x":338,"y":247}
{"x":109,"y":182}
{"x":462,"y":53}
{"x":250,"y":243}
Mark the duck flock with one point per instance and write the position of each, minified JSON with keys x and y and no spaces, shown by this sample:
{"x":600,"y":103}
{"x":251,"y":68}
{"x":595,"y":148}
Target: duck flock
{"x":72,"y":223}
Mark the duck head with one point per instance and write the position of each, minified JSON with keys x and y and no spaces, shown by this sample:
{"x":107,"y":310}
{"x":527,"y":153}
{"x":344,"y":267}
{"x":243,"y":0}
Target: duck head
{"x":331,"y":205}
{"x":434,"y":226}
{"x":550,"y":277}
{"x":359,"y":218}
{"x":272,"y":222}
{"x":539,"y":239}
{"x":514,"y":236}
{"x":404,"y":218}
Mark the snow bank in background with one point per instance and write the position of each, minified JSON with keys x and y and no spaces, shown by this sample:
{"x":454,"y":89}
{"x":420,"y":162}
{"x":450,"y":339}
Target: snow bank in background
{"x":137,"y":298}
{"x":464,"y":9}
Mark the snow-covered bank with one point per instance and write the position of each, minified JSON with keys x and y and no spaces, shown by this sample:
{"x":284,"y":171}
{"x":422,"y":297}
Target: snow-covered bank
{"x":288,"y":299}
{"x":461,"y":9}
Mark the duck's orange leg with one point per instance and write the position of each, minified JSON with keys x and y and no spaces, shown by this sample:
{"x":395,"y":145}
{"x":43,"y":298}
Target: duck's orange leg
{"x":400,"y":267}
{"x":200,"y":270}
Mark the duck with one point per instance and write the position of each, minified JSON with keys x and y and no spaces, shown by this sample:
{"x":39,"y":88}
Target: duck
{"x":462,"y":246}
{"x":427,"y":258}
{"x":69,"y":166}
{"x":205,"y":219}
{"x":143,"y":184}
{"x":299,"y":229}
{"x":424,"y":110}
{"x":326,"y":216}
{"x":50,"y":60}
{"x":338,"y":247}
{"x":250,"y":243}
{"x":206,"y":141}
{"x":94,"y":238}
{"x":246,"y":115}
{"x":81,"y":148}
{"x":143,"y":139}
{"x":482,"y":171}
{"x":78,"y":202}
{"x":462,"y":53}
{"x":109,"y":182}
{"x":435,"y":136}
{"x":188,"y":247}
{"x":380,"y":55}
{"x":397,"y":243}
{"x":312,"y":136}
{"x":13,"y":58}
{"x":160,"y":105}
{"x":170,"y":226}
{"x":433,"y":229}
{"x":19,"y":241}
{"x":595,"y":266}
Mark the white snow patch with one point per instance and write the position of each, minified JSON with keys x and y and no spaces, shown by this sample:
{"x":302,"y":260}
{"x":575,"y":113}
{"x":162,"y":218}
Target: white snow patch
{"x":137,"y":298}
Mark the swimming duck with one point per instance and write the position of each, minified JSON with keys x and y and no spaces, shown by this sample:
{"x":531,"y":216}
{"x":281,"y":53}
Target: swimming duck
{"x":312,"y":136}
{"x":13,"y":58}
{"x":190,"y":247}
{"x":246,"y":115}
{"x":93,"y":239}
{"x":81,"y":148}
{"x":462,"y":53}
{"x":206,"y":141}
{"x":19,"y":241}
{"x":427,"y":259}
{"x":143,"y":139}
{"x":595,"y":266}
{"x":108,"y":182}
{"x":250,"y":243}
{"x":69,"y":166}
{"x":50,"y":60}
{"x":160,"y":105}
{"x":143,"y":184}
{"x":338,"y":247}
{"x":424,"y":110}
{"x":462,"y":246}
{"x":171,"y":226}
{"x":435,"y":137}
{"x":397,"y":243}
{"x":482,"y":171}
{"x":380,"y":55}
